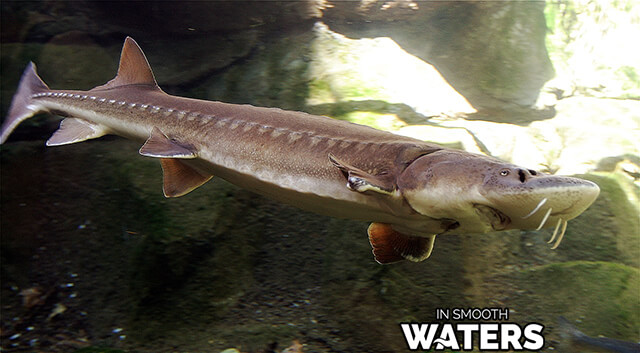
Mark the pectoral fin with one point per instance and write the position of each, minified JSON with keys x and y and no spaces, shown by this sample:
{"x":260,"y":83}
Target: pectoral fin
{"x":391,"y":246}
{"x":74,"y":130}
{"x":361,"y":181}
{"x":179,"y":178}
{"x":160,"y":146}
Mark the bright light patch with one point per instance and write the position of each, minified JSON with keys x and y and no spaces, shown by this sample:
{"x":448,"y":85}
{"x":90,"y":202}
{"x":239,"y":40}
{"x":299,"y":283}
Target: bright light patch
{"x":346,"y":69}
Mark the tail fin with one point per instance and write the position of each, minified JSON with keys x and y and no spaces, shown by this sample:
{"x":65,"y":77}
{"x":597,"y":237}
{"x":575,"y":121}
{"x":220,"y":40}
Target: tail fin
{"x":568,"y":331}
{"x":22,"y":107}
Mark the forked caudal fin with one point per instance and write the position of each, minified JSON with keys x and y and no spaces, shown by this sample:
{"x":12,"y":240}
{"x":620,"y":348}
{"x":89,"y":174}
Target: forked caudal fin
{"x":133,"y":69}
{"x":22,"y":105}
{"x":33,"y":95}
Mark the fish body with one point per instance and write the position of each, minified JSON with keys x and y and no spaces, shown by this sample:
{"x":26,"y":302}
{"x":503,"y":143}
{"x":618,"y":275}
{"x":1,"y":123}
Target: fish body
{"x":411,"y":190}
{"x":574,"y":340}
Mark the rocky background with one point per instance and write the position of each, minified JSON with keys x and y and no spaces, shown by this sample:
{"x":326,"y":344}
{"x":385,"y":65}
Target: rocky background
{"x":94,"y":259}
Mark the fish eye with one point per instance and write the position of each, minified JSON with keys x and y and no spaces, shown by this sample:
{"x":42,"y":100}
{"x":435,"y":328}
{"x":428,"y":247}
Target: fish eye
{"x":504,"y":172}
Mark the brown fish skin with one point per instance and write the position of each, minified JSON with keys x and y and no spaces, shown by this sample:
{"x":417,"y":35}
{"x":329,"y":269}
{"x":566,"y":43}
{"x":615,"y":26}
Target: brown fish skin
{"x":276,"y":155}
{"x":410,"y":187}
{"x":281,"y":154}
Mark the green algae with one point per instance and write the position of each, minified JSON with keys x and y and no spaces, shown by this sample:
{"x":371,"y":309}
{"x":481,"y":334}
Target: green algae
{"x":99,"y":350}
{"x":615,"y":214}
{"x":255,"y":335}
{"x":595,"y":292}
{"x":272,"y":76}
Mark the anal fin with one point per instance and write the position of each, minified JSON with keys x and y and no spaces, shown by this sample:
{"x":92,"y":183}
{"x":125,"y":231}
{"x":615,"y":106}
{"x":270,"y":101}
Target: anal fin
{"x":391,"y":246}
{"x":74,"y":130}
{"x":179,"y":178}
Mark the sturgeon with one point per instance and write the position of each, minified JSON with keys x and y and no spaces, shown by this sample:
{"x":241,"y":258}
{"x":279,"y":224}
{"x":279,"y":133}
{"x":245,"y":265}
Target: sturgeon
{"x":409,"y":189}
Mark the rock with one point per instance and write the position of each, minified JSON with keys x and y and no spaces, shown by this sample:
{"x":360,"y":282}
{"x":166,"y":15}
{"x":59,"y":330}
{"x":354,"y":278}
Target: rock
{"x":230,"y":350}
{"x":459,"y":138}
{"x":206,"y":55}
{"x":615,"y":216}
{"x":587,"y":130}
{"x":227,"y":268}
{"x":491,"y":74}
{"x":576,"y":290}
{"x":62,"y":63}
{"x":396,"y":114}
{"x":566,"y":144}
{"x":344,"y":69}
{"x":169,"y":19}
{"x":505,"y":141}
{"x":493,"y":53}
{"x":275,"y":75}
{"x":589,"y":47}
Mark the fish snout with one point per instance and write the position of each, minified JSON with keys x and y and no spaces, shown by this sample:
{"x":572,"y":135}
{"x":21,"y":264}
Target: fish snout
{"x":553,"y":201}
{"x":568,"y":196}
{"x":540,"y":199}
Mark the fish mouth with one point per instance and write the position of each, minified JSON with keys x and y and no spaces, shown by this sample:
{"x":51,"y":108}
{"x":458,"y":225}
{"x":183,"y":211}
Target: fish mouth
{"x":557,"y":200}
{"x":500,"y":221}
{"x":497,"y":219}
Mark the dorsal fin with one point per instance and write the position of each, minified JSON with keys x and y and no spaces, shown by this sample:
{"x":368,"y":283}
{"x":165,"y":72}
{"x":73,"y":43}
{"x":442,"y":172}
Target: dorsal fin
{"x":134,"y":68}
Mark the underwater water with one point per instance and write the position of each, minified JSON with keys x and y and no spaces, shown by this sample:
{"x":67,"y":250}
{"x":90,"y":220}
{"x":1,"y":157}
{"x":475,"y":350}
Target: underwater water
{"x":93,"y":257}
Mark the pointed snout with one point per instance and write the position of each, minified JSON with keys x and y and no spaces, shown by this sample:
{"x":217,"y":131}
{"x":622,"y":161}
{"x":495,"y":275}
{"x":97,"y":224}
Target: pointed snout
{"x":532,"y":200}
{"x":568,"y":196}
